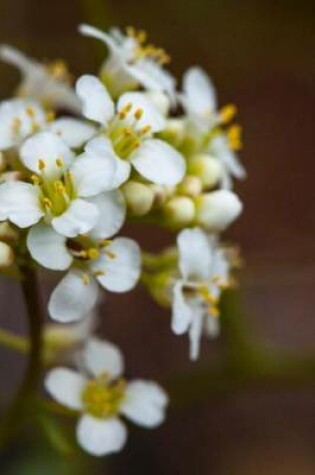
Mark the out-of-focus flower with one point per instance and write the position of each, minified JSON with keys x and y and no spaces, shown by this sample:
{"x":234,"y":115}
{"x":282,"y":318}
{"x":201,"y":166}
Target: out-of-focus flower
{"x":215,"y":211}
{"x":132,"y":62}
{"x":204,"y":272}
{"x":64,"y":188}
{"x":127,"y":134}
{"x":49,"y":84}
{"x":101,"y":395}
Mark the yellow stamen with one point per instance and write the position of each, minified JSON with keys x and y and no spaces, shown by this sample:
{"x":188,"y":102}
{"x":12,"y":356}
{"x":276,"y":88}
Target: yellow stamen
{"x":227,"y":113}
{"x":234,"y":137}
{"x":41,"y":164}
{"x":138,"y":114}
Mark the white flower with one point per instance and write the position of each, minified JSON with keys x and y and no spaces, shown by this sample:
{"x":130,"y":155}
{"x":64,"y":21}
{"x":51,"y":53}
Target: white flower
{"x":21,"y":118}
{"x":131,"y":62}
{"x":101,"y":396}
{"x":127,"y":134}
{"x":64,"y":188}
{"x":49,"y":84}
{"x":204,"y":272}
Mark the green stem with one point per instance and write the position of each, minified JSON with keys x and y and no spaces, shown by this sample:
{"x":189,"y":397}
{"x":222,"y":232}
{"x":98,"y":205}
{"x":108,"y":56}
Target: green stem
{"x":13,"y":342}
{"x":20,"y":406}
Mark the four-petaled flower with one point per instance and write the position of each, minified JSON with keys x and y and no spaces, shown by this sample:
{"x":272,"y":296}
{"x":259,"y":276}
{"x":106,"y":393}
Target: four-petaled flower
{"x":101,"y":395}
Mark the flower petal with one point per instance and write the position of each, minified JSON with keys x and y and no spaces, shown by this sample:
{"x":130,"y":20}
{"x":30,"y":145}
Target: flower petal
{"x":73,"y":298}
{"x":217,"y":210}
{"x":96,"y":101}
{"x":47,"y":147}
{"x":145,"y":403}
{"x":101,"y":437}
{"x":121,"y":265}
{"x":195,"y":333}
{"x":88,"y":30}
{"x":212,"y":326}
{"x":73,"y":132}
{"x":150,"y":113}
{"x":19,"y":203}
{"x":48,"y":248}
{"x":93,"y":174}
{"x":159,"y":162}
{"x":79,"y":218}
{"x":65,"y":386}
{"x":101,"y":356}
{"x":200,"y":96}
{"x":112,"y":213}
{"x":182,"y":313}
{"x":195,"y":254}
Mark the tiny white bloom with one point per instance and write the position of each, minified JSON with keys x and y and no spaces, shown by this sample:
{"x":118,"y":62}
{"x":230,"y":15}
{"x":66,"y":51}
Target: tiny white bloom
{"x":127,"y":134}
{"x":204,"y":272}
{"x":101,"y":395}
{"x":131,"y":62}
{"x":49,"y":84}
{"x":63,"y":187}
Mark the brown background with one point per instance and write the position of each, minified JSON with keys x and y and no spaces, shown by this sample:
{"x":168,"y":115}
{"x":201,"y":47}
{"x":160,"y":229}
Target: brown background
{"x":260,"y":53}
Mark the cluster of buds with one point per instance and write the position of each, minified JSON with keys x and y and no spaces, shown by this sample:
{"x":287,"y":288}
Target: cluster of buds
{"x":128,"y":146}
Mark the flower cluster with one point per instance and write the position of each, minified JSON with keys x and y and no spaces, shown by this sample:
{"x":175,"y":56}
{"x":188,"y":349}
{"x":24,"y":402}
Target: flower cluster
{"x":78,"y":160}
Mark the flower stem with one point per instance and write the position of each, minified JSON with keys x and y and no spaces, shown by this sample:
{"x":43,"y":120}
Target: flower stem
{"x":20,"y":406}
{"x":13,"y":342}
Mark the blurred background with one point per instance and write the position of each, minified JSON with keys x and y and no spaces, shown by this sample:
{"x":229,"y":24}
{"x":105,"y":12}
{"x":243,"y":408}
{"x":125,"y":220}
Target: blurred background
{"x":260,"y":54}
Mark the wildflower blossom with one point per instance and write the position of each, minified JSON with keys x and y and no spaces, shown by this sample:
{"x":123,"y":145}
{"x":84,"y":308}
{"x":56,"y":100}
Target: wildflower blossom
{"x":101,"y":395}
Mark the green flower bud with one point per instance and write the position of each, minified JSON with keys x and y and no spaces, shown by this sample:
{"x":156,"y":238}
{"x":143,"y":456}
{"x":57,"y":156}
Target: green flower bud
{"x":139,"y":197}
{"x":179,"y":211}
{"x":206,"y":167}
{"x":217,"y":210}
{"x":190,"y":186}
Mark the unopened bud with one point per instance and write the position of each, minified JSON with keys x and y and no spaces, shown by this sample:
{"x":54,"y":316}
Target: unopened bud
{"x":216,"y":210}
{"x":7,"y":233}
{"x":161,"y":194}
{"x":139,"y":197}
{"x":6,"y":255}
{"x":190,"y":186}
{"x":205,"y":167}
{"x":179,"y":211}
{"x":174,"y":131}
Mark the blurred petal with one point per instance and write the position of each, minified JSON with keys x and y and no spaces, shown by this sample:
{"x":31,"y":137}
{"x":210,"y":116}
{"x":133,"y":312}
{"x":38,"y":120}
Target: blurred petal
{"x":19,"y":203}
{"x":159,"y":162}
{"x":73,"y":132}
{"x":101,"y":437}
{"x":112,"y":213}
{"x":145,"y":403}
{"x":79,"y":218}
{"x":122,"y":268}
{"x":73,"y":298}
{"x":97,"y":103}
{"x":195,"y":333}
{"x":101,"y":356}
{"x":182,"y":313}
{"x":200,"y":96}
{"x":65,"y":386}
{"x":195,"y":254}
{"x":48,"y":248}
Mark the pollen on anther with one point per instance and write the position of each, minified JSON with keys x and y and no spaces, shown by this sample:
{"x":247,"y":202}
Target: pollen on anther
{"x":138,"y":114}
{"x":41,"y":164}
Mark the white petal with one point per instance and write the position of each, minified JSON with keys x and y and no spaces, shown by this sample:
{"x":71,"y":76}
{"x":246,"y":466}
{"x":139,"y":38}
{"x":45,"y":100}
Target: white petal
{"x":112,"y":213}
{"x":122,"y":272}
{"x":145,"y":403}
{"x":65,"y":386}
{"x":200,"y":95}
{"x":79,"y":218}
{"x":101,"y":356}
{"x":221,"y":149}
{"x":159,"y":162}
{"x":73,"y":132}
{"x":97,"y":103}
{"x":15,"y":57}
{"x":47,"y":147}
{"x":151,"y":115}
{"x":195,"y":333}
{"x":217,"y":210}
{"x":19,"y":203}
{"x":48,"y":248}
{"x":93,"y":174}
{"x":73,"y":298}
{"x":195,"y":254}
{"x":212,"y":326}
{"x":182,"y":313}
{"x":101,"y":437}
{"x":88,"y":30}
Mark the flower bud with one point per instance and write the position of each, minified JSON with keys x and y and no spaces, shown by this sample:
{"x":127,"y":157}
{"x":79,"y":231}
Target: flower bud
{"x":139,"y":197}
{"x":179,"y":211}
{"x":207,"y":168}
{"x":216,"y":210}
{"x":8,"y":233}
{"x":6,"y":255}
{"x":161,"y":194}
{"x":190,"y":186}
{"x":174,"y":131}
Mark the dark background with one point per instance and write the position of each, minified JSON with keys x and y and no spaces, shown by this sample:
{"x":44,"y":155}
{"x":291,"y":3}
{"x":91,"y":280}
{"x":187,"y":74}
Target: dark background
{"x":260,"y":54}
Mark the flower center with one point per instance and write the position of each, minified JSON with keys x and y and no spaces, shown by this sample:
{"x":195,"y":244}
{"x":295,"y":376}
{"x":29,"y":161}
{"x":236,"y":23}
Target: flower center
{"x":102,"y":398}
{"x":55,"y":195}
{"x":125,"y":133}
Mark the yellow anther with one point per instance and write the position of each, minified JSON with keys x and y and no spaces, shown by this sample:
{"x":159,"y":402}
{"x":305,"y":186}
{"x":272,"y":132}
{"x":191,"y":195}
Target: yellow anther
{"x":138,"y":114}
{"x":86,"y":278}
{"x":59,"y":162}
{"x":105,"y":242}
{"x":59,"y":70}
{"x":131,"y":31}
{"x":142,"y":36}
{"x":227,"y":113}
{"x":214,"y":311}
{"x":111,"y":254}
{"x":41,"y":164}
{"x":99,"y":273}
{"x":103,"y":399}
{"x":145,"y":130}
{"x":127,"y":132}
{"x":50,"y":116}
{"x":35,"y":179}
{"x":93,"y":253}
{"x":47,"y":203}
{"x":234,"y":137}
{"x":59,"y":187}
{"x":127,"y":108}
{"x":30,"y":111}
